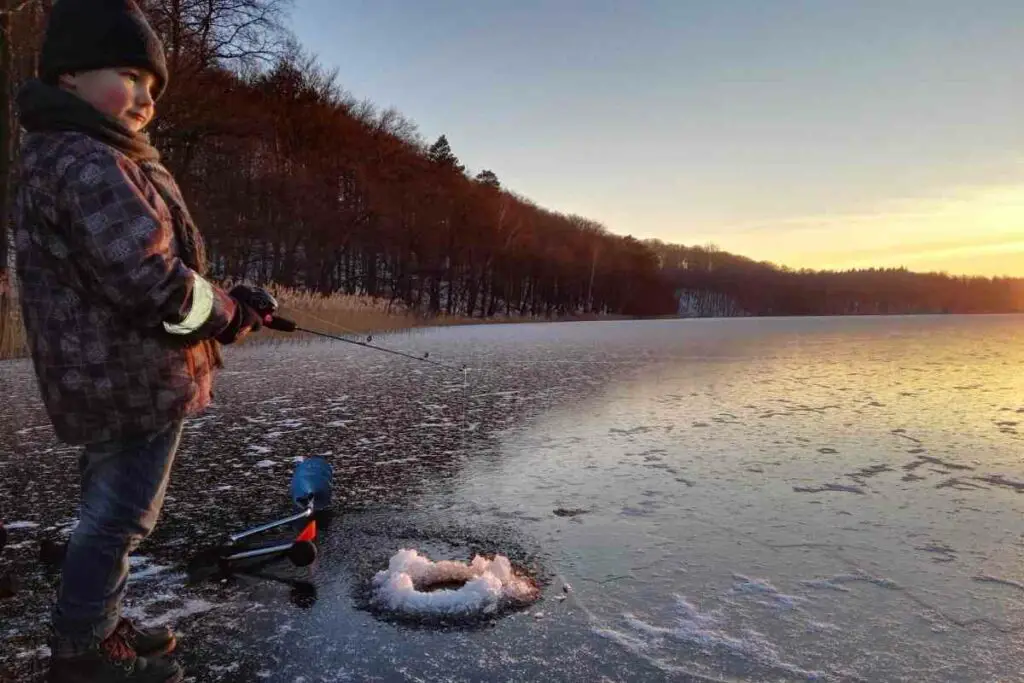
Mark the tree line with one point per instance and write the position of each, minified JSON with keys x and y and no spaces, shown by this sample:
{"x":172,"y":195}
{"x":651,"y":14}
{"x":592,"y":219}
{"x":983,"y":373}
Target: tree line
{"x":295,"y":181}
{"x":762,"y":288}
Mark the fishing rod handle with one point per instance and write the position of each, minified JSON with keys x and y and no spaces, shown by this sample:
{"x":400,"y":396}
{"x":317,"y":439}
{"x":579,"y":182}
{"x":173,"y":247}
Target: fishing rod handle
{"x":280,"y":324}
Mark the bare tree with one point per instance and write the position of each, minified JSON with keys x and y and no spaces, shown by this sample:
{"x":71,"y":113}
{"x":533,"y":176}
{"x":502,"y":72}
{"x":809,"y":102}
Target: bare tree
{"x":198,"y":34}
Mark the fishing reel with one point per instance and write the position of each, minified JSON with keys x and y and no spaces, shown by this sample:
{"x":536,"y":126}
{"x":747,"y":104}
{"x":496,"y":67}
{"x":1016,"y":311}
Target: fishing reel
{"x":256,"y":298}
{"x":265,"y":305}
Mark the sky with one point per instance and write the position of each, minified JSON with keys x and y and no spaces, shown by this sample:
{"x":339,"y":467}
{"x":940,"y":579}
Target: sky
{"x":810,"y":133}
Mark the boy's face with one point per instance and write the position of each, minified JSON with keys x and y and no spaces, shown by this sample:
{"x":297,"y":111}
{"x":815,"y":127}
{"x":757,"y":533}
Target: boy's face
{"x":124,"y":93}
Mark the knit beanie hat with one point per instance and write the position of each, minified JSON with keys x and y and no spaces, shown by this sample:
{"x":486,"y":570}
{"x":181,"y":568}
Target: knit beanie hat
{"x":100,"y":34}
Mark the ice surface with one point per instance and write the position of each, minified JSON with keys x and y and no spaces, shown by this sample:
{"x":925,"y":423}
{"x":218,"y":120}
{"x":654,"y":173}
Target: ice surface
{"x":707,"y":634}
{"x":836,"y":498}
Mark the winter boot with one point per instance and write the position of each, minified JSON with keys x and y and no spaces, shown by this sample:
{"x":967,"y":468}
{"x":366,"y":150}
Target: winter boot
{"x":147,"y":642}
{"x":113,"y":661}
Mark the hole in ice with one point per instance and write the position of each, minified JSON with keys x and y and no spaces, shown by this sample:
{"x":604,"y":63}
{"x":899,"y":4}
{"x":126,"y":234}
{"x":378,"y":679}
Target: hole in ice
{"x":414,"y":585}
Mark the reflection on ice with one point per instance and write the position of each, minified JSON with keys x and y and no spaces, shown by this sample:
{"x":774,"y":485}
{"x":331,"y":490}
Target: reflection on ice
{"x":875,"y":476}
{"x":695,"y":636}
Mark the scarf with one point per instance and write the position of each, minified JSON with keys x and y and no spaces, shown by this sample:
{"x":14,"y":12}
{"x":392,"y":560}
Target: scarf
{"x":47,"y":107}
{"x":43,"y":107}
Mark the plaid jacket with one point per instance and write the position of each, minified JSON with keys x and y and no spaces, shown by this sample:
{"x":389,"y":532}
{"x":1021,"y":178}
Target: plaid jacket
{"x":99,"y":276}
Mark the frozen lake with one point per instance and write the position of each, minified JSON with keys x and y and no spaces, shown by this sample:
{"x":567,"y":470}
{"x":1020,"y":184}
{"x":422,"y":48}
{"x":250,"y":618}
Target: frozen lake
{"x":740,"y":500}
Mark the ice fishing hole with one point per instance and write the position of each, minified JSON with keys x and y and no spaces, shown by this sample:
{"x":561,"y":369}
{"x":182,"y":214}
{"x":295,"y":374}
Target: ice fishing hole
{"x":413,"y":585}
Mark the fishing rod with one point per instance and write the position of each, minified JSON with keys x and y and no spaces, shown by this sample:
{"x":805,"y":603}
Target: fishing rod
{"x":280,"y":324}
{"x":265,"y":305}
{"x":285,"y":325}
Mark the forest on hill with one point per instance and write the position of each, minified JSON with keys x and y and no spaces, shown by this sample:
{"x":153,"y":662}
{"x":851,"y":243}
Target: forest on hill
{"x":713,"y":282}
{"x":294,"y":181}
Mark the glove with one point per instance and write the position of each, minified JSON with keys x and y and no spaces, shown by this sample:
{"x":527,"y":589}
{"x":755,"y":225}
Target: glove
{"x":258,"y":299}
{"x":254,"y":306}
{"x":244,"y":321}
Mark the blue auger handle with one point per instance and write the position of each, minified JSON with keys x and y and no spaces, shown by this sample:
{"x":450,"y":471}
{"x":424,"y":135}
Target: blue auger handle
{"x":312,"y":481}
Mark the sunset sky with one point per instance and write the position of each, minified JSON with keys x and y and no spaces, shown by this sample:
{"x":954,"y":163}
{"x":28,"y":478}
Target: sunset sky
{"x":813,"y":133}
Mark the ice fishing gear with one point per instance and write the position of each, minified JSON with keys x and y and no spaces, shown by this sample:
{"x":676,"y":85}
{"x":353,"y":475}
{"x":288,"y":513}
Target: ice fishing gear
{"x":284,"y":325}
{"x":311,"y":492}
{"x":311,"y":484}
{"x":264,"y":303}
{"x":301,"y":551}
{"x":311,"y":495}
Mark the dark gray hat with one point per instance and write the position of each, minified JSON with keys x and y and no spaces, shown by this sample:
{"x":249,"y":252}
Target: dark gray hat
{"x":99,"y":34}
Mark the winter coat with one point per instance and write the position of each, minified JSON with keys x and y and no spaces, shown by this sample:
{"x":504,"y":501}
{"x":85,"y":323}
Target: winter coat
{"x":118,"y":325}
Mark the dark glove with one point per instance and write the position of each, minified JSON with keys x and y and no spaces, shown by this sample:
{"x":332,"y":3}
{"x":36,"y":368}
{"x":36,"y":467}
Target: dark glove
{"x":256,"y":298}
{"x":254,"y":307}
{"x":244,"y":321}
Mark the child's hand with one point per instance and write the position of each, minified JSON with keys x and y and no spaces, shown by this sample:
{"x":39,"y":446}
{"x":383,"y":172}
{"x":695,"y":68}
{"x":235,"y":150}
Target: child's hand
{"x":244,"y":321}
{"x":258,"y":299}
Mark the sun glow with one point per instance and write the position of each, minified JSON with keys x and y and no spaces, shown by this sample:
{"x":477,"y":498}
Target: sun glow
{"x":971,"y":231}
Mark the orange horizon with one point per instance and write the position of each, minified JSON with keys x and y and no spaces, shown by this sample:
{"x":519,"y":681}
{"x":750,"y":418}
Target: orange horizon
{"x":965,"y":232}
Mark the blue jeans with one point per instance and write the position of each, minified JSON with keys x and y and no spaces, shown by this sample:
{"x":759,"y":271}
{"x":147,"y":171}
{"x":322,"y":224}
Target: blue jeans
{"x":123,"y":486}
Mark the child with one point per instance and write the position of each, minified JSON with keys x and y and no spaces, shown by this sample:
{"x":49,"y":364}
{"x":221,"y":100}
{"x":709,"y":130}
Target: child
{"x":122,"y":325}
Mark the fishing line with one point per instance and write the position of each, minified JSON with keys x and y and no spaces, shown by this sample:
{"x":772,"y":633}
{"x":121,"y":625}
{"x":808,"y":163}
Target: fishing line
{"x":286,"y":325}
{"x":425,"y":357}
{"x":275,"y":322}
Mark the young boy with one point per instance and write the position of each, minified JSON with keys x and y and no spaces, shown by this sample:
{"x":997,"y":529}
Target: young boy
{"x":122,"y":326}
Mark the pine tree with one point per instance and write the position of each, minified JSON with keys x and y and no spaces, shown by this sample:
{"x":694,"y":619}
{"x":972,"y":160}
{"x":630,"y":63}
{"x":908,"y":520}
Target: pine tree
{"x":488,"y":177}
{"x":441,"y":154}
